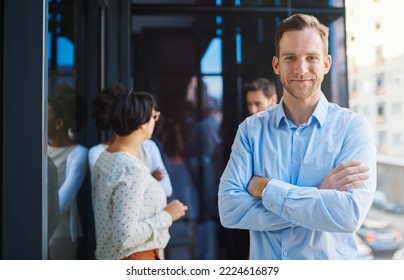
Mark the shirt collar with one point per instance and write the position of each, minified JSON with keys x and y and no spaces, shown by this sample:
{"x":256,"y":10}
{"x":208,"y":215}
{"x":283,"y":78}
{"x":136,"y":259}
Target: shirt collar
{"x":319,"y":114}
{"x":280,"y":114}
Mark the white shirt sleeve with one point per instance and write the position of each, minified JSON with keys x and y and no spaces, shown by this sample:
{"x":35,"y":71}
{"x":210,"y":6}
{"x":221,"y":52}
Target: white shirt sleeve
{"x":76,"y":170}
{"x":93,"y":155}
{"x":152,"y":153}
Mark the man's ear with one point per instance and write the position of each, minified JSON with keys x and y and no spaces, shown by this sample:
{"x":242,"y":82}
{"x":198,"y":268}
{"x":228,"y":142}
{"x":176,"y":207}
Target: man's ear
{"x":275,"y":65}
{"x":274,"y":98}
{"x":327,"y":64}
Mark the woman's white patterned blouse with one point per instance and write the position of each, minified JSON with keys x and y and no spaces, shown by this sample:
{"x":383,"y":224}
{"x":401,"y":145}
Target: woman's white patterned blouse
{"x":128,"y":207}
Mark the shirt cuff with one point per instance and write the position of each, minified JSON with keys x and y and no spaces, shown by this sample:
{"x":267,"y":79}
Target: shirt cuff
{"x":263,"y":192}
{"x":264,"y":189}
{"x":276,"y":200}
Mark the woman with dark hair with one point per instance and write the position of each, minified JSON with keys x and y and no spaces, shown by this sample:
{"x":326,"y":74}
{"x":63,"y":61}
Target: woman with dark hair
{"x":149,"y":152}
{"x":131,"y":213}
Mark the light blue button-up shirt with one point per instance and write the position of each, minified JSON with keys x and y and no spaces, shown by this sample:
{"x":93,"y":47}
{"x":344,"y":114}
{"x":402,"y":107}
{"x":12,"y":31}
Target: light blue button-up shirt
{"x":295,"y":219}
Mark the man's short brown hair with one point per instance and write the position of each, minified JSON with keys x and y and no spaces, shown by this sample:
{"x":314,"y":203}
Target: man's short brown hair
{"x":267,"y":86}
{"x":300,"y":22}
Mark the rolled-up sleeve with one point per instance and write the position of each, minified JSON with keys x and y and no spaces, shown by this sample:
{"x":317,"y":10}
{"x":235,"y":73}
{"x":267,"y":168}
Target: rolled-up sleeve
{"x":237,"y":208}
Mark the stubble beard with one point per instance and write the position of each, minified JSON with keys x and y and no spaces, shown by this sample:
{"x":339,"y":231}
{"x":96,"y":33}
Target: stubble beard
{"x":302,"y":91}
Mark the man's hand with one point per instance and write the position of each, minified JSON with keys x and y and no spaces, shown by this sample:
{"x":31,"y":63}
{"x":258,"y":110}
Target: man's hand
{"x":257,"y":185}
{"x":348,"y":175}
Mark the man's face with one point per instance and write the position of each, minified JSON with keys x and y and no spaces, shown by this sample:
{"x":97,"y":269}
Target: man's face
{"x":301,"y":64}
{"x":257,"y":101}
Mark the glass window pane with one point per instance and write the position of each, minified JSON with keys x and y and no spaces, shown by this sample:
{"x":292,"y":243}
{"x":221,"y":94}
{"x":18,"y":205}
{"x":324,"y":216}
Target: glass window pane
{"x":211,"y":62}
{"x":67,"y":159}
{"x":374,"y":74}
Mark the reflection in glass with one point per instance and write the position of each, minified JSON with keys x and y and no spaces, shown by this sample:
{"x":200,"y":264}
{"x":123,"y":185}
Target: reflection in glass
{"x":70,"y":160}
{"x":53,"y":201}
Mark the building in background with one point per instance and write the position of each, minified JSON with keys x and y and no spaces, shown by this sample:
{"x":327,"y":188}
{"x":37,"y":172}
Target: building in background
{"x":375,"y":57}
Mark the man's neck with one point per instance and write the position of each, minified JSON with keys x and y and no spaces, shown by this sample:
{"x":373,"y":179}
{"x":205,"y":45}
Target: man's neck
{"x":299,"y":111}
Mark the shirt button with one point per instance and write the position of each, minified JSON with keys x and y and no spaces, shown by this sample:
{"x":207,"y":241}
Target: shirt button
{"x":285,"y":253}
{"x":294,"y":162}
{"x":297,"y":133}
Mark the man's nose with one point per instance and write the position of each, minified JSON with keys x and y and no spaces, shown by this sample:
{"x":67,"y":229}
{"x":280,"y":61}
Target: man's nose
{"x":301,"y":66}
{"x":253,"y":110}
